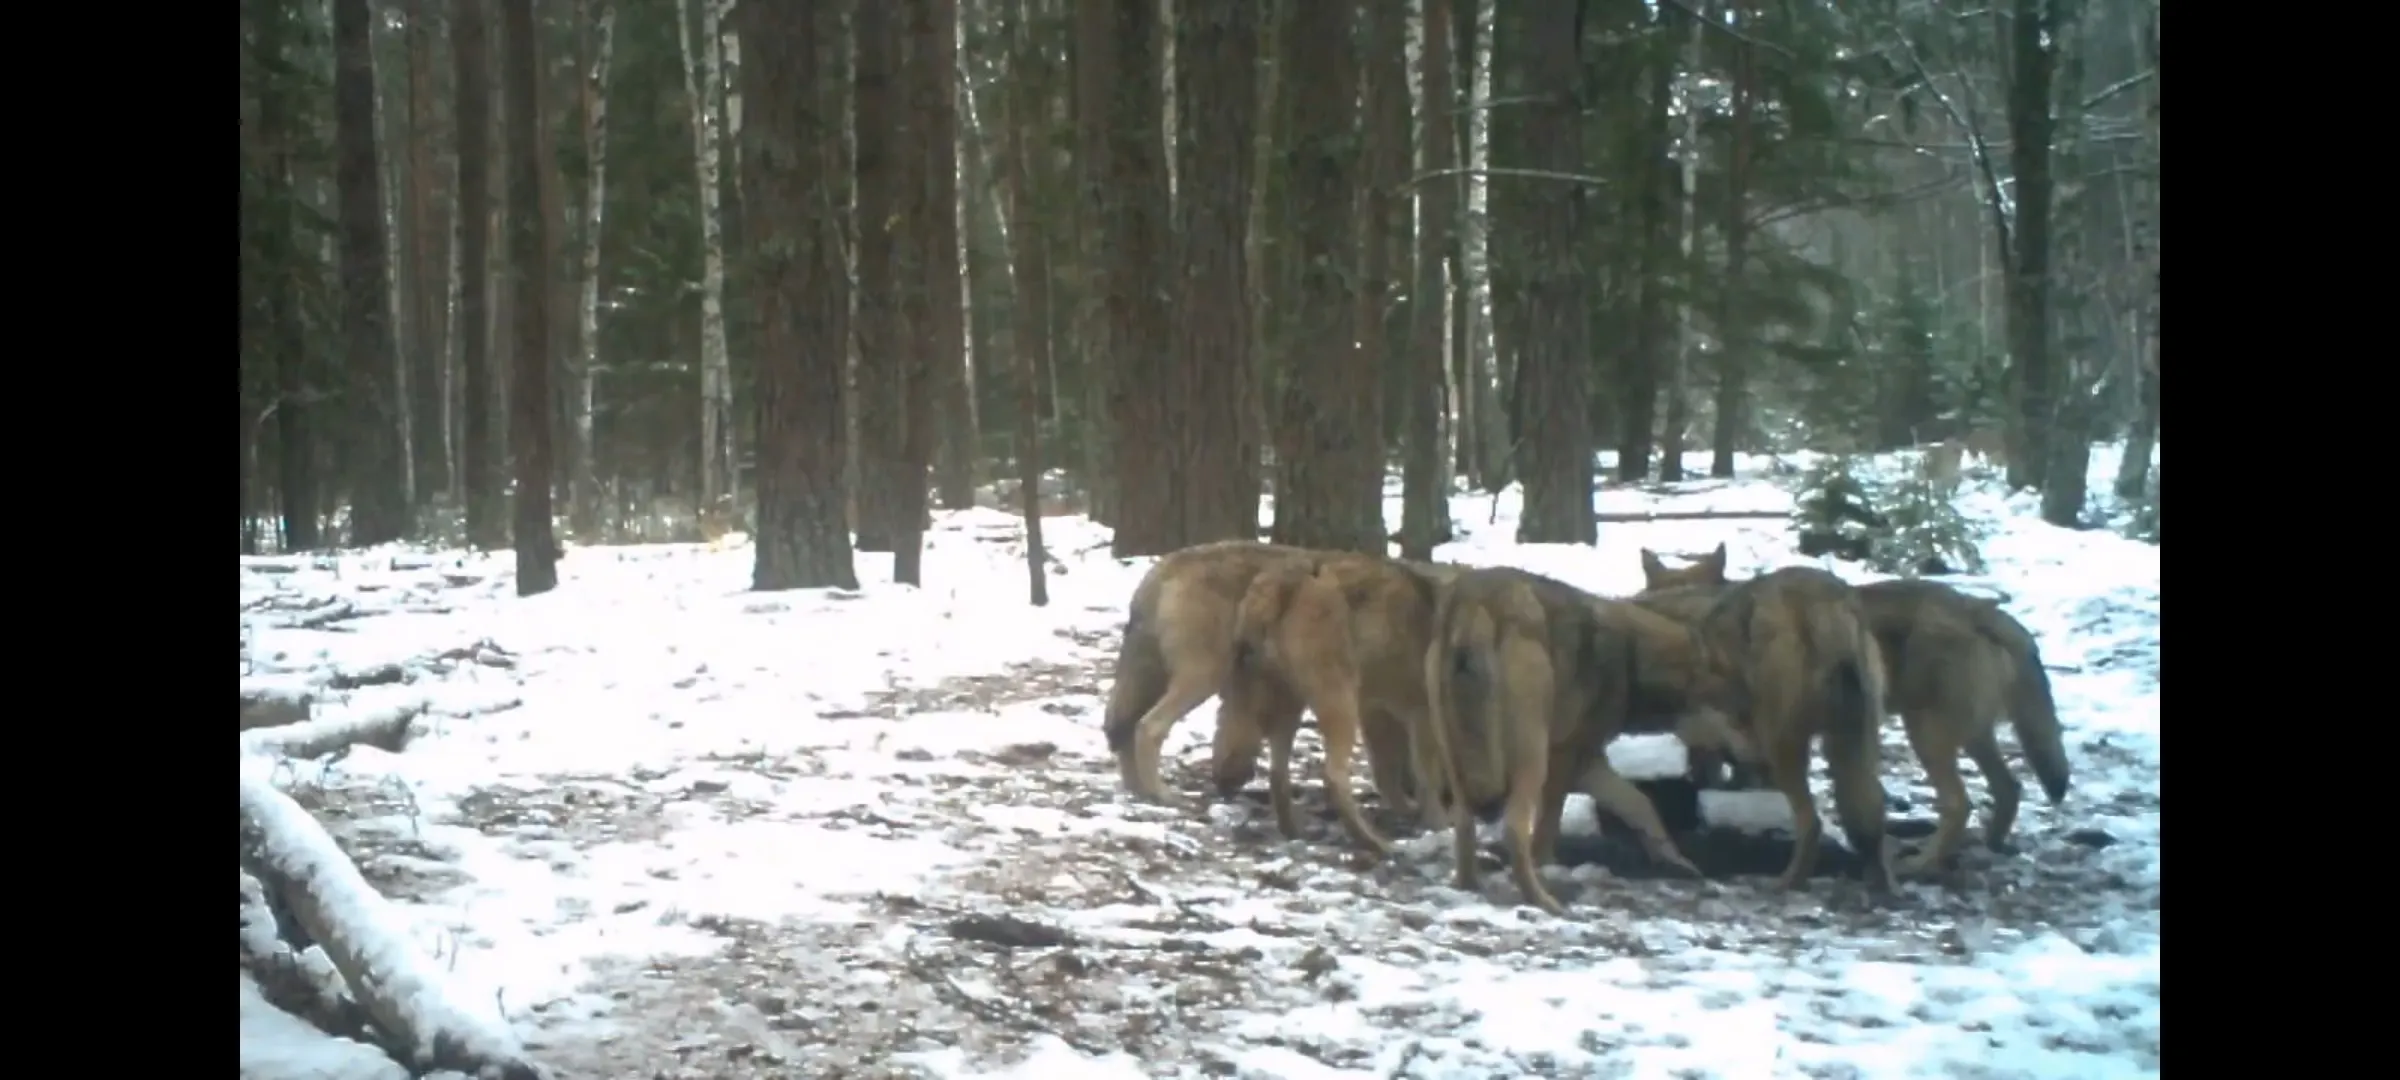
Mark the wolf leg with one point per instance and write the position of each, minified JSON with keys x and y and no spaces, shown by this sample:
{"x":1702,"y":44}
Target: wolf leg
{"x":1787,"y":767}
{"x":1556,"y":782}
{"x":1337,"y":725}
{"x":1185,"y":691}
{"x":1525,"y":792}
{"x":1388,"y":759}
{"x":1930,"y":734}
{"x":1619,"y":797}
{"x":1279,"y":779}
{"x":2007,"y":791}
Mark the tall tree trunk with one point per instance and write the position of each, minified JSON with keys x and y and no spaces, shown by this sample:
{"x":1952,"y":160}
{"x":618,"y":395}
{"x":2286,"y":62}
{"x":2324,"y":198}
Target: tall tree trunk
{"x":477,"y":460}
{"x":1216,"y":447}
{"x":1553,"y":376}
{"x":1733,"y":343}
{"x":1329,"y":428}
{"x":700,"y":75}
{"x":1029,"y":273}
{"x":295,"y":408}
{"x":584,"y":509}
{"x":1493,"y":435}
{"x":2032,"y":64}
{"x":428,"y":271}
{"x":379,"y":511}
{"x":883,"y":335}
{"x":528,"y":246}
{"x":1132,"y":222}
{"x":1687,"y":338}
{"x":945,"y":264}
{"x":1653,"y":210}
{"x":1091,"y":96}
{"x":790,"y":165}
{"x":1425,"y":483}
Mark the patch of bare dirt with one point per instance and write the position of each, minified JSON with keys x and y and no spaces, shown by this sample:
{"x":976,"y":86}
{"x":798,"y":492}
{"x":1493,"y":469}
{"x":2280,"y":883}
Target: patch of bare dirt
{"x":376,"y":825}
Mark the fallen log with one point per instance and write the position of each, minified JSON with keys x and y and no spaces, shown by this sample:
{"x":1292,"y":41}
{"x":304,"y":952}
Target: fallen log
{"x":365,"y":938}
{"x":274,"y":703}
{"x":384,"y":729}
{"x":1638,"y":516}
{"x":295,"y":978}
{"x":279,"y":1046}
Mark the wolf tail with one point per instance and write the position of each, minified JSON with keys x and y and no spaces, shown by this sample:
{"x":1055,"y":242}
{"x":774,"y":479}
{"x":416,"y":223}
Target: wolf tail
{"x":2031,"y":708}
{"x":1469,"y":689}
{"x":1141,"y":679}
{"x":1853,"y":734}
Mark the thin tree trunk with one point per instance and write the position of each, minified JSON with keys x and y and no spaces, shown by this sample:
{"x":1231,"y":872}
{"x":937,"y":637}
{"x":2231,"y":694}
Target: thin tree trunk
{"x":1637,"y":434}
{"x":2033,"y":62}
{"x":477,"y":461}
{"x":1733,"y":345}
{"x":1493,"y":436}
{"x":1425,"y":484}
{"x":376,"y":458}
{"x":953,"y":365}
{"x":1687,"y":338}
{"x":1216,"y":446}
{"x":584,"y":508}
{"x":700,"y":76}
{"x":428,"y":271}
{"x":1029,"y":274}
{"x":529,"y":390}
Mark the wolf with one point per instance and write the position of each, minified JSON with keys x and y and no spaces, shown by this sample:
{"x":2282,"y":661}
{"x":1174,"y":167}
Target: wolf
{"x":1798,"y":643}
{"x":1178,"y":649}
{"x":1957,"y":663}
{"x":1707,"y":570}
{"x":1343,"y":635}
{"x":1529,"y":678}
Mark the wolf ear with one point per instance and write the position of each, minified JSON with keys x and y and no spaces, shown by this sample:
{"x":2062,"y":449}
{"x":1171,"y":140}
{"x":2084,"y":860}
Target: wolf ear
{"x":1651,"y":566}
{"x":1716,"y":559}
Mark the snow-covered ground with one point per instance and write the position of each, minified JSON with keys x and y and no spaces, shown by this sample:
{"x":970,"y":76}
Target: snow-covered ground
{"x":672,"y":828}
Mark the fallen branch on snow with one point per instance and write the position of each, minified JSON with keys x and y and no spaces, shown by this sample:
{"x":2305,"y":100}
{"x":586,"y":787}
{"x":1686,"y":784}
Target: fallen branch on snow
{"x":325,"y":617}
{"x":277,"y":1045}
{"x":378,"y":675}
{"x":384,"y":729}
{"x":274,"y":704}
{"x":295,"y":859}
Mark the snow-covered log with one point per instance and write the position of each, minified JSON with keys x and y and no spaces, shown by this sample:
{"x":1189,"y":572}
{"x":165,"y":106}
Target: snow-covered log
{"x":279,"y":1046}
{"x":295,"y":978}
{"x":385,"y":728}
{"x":367,"y":941}
{"x":274,"y":702}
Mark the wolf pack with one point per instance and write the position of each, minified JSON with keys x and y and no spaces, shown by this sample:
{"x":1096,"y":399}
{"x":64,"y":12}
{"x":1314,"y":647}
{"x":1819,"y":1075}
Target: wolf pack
{"x":1491,"y":693}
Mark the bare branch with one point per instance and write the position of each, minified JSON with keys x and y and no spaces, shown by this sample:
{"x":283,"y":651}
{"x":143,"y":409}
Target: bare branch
{"x":1487,"y":173}
{"x":1975,"y":140}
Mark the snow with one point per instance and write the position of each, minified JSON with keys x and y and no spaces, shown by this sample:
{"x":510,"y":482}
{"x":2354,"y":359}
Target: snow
{"x":670,"y":827}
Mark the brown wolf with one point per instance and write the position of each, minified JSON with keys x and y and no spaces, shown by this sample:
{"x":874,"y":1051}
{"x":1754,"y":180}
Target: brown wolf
{"x":1957,"y":663}
{"x":1178,"y":649}
{"x":1708,"y":569}
{"x":1345,"y":636}
{"x":1798,"y":641}
{"x":1529,"y":679}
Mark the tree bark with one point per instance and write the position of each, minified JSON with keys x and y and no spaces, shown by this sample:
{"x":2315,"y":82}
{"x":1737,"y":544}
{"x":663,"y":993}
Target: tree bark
{"x":935,"y":128}
{"x":1329,"y":426}
{"x":478,"y":461}
{"x":1733,"y":344}
{"x":379,"y":511}
{"x":295,"y":408}
{"x":1029,"y":273}
{"x":1091,"y":95}
{"x":584,"y":509}
{"x":528,"y":248}
{"x":1687,"y":224}
{"x":1494,"y":436}
{"x":1553,"y":376}
{"x":882,"y":336}
{"x":1133,"y":221}
{"x":2032,"y":64}
{"x":1637,"y":428}
{"x":428,"y":262}
{"x":1425,"y":483}
{"x":1216,"y":448}
{"x":700,"y":75}
{"x":791,"y":156}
